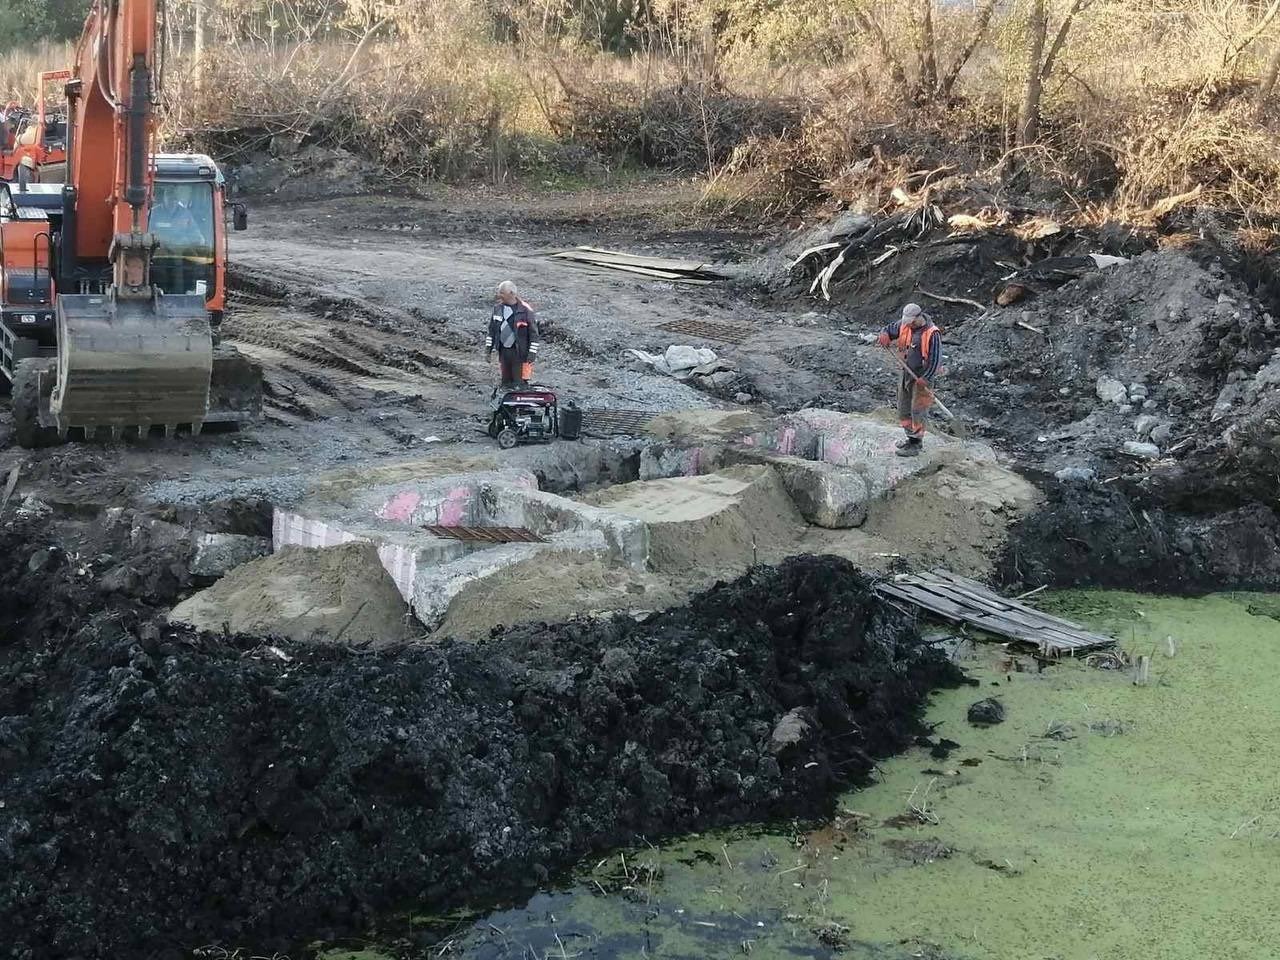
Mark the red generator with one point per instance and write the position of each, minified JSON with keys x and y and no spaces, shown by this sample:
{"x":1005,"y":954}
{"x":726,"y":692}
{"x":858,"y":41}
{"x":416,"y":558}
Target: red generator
{"x":528,"y":415}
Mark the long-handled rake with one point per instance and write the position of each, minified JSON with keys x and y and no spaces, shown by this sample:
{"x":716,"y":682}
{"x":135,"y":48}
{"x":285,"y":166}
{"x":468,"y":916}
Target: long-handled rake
{"x":957,"y":425}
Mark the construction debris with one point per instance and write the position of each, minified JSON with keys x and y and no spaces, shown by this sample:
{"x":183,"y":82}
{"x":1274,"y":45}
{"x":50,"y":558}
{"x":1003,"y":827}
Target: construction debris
{"x":683,"y":362}
{"x":962,"y":600}
{"x":657,"y":268}
{"x":709,"y":330}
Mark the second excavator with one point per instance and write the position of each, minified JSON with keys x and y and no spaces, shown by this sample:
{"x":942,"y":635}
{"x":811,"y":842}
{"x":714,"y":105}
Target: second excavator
{"x":113,"y":283}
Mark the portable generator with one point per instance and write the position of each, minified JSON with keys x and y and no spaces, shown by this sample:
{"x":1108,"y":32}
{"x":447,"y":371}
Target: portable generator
{"x":527,"y":415}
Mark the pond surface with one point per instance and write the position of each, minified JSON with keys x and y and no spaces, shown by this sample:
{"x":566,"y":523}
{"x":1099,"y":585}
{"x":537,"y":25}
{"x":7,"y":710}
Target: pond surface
{"x":1100,"y":820}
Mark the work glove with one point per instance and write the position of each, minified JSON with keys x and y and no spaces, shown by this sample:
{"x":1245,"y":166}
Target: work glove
{"x":883,"y":339}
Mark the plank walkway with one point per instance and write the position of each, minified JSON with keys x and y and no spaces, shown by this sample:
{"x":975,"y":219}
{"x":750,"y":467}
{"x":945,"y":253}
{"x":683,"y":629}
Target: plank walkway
{"x":962,"y":600}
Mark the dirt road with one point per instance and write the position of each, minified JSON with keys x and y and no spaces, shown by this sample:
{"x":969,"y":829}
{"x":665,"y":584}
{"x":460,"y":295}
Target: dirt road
{"x":368,"y":316}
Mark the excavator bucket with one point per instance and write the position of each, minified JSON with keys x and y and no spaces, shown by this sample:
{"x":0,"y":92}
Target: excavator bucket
{"x":132,"y":363}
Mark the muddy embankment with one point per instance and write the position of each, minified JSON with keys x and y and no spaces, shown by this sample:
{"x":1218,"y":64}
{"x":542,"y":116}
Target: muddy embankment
{"x":1132,"y":373}
{"x":163,"y":789}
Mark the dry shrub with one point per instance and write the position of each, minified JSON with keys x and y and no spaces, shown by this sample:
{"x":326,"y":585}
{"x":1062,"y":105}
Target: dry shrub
{"x":1216,"y":143}
{"x":415,"y":118}
{"x":20,"y":67}
{"x":689,"y":125}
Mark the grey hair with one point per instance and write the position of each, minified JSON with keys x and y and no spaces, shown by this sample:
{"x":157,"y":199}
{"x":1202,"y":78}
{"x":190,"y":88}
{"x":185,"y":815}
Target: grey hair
{"x":911,"y":311}
{"x":506,"y":286}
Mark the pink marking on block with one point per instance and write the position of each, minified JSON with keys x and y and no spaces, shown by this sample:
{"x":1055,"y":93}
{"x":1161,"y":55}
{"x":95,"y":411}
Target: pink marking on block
{"x":834,"y":451}
{"x":787,"y":442}
{"x":694,"y":461}
{"x":401,"y":506}
{"x":454,"y":508}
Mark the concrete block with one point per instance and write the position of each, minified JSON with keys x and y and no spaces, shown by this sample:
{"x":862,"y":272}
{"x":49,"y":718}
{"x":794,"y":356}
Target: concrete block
{"x":217,"y":553}
{"x":826,"y":495}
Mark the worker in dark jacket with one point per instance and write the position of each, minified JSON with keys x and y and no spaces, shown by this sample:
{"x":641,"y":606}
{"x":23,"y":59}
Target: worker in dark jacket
{"x":919,"y":346}
{"x":513,"y":331}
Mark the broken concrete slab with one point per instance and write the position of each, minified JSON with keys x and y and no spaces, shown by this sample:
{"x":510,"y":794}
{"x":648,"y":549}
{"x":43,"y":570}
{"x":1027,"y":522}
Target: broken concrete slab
{"x":709,"y":522}
{"x":430,"y":570}
{"x":826,"y":495}
{"x":218,"y":553}
{"x":335,"y":594}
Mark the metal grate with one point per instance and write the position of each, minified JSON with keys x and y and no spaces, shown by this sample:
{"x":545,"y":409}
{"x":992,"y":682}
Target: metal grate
{"x":615,"y":423}
{"x":708,"y":330}
{"x":486,"y":534}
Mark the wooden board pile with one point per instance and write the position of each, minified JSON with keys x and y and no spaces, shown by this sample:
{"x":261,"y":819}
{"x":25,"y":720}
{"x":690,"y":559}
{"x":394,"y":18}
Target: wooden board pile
{"x":657,"y":268}
{"x":966,"y":601}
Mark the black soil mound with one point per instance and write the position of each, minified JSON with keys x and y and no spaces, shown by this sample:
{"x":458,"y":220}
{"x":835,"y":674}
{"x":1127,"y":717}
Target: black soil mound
{"x":164,"y":790}
{"x":1118,"y":535}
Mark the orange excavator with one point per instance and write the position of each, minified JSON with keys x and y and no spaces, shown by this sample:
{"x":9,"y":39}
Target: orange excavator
{"x":35,"y":139}
{"x":112,"y":284}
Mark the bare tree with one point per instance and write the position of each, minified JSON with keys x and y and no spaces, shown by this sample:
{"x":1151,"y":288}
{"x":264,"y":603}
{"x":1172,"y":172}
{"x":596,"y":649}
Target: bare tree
{"x":1029,"y":114}
{"x":1040,"y":66}
{"x":1269,"y":77}
{"x":928,"y":85}
{"x":928,"y":74}
{"x":867,"y":23}
{"x":982,"y":24}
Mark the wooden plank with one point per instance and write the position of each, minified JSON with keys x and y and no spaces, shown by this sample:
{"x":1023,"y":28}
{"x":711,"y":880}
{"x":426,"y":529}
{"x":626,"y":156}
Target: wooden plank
{"x":628,"y":268}
{"x":1016,"y":613}
{"x":962,"y":600}
{"x":640,"y":260}
{"x":1024,"y":622}
{"x":974,"y":587}
{"x":979,"y":591}
{"x":640,"y":271}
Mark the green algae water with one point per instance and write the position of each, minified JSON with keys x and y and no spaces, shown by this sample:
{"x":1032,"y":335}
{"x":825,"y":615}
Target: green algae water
{"x":1101,"y":820}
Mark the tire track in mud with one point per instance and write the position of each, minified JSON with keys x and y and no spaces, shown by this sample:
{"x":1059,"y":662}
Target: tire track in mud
{"x":326,"y":354}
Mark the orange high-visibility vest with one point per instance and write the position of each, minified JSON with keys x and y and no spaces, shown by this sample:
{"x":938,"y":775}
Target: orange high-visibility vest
{"x":904,"y":340}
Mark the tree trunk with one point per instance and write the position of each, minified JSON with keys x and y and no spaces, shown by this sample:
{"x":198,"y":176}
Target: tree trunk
{"x":928,"y":56}
{"x":199,"y":39}
{"x":1029,"y":115}
{"x":866,"y":22}
{"x":948,"y":81}
{"x":1269,"y":78}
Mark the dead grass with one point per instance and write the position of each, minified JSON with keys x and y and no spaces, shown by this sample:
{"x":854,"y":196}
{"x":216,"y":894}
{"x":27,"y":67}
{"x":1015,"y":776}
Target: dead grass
{"x":1145,"y":105}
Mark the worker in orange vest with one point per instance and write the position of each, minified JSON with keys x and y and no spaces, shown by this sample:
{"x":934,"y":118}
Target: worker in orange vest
{"x":919,"y":345}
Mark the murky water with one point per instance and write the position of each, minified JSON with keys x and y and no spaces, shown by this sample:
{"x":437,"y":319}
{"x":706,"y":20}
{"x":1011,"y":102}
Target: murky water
{"x":1101,"y":820}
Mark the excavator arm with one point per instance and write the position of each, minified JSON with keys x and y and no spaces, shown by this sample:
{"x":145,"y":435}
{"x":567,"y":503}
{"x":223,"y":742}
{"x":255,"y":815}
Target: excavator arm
{"x":129,"y":355}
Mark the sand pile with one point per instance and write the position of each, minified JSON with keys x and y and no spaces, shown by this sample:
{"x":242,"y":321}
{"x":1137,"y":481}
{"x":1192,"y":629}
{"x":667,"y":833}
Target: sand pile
{"x":336,"y":594}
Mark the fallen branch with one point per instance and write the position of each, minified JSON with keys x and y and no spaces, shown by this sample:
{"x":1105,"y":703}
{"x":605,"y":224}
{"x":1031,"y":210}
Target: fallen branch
{"x":962,"y":301}
{"x":1027,"y":326}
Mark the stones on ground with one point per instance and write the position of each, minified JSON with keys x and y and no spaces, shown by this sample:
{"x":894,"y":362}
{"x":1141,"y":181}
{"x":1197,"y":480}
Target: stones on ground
{"x":1137,"y":392}
{"x":335,"y":594}
{"x":1076,"y":474}
{"x":1162,"y":433}
{"x":742,"y":397}
{"x":1144,"y":425}
{"x":1143,"y":451}
{"x":218,"y":553}
{"x":1111,"y":390}
{"x":791,"y":730}
{"x":986,"y":713}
